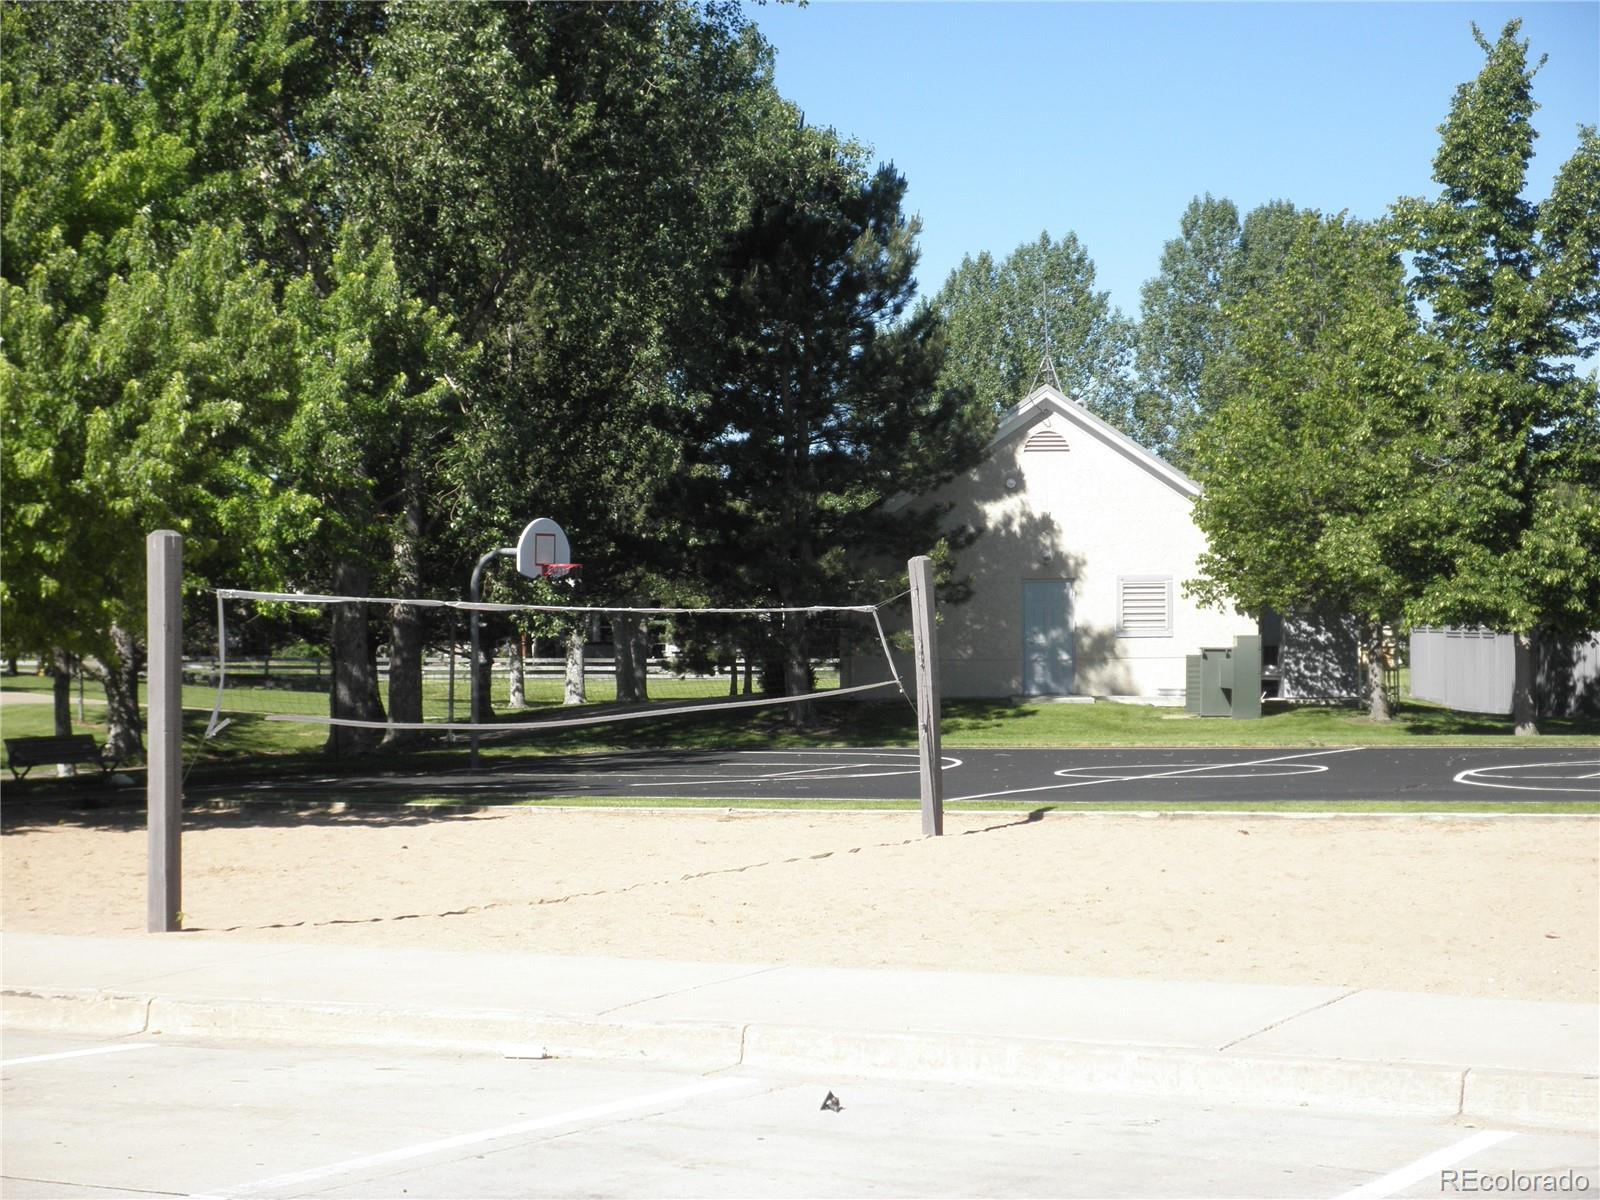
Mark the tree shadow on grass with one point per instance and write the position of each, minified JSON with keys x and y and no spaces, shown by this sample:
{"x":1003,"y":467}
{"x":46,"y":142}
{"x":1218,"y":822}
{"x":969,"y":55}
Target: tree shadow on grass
{"x":1429,"y":720}
{"x":1420,"y":720}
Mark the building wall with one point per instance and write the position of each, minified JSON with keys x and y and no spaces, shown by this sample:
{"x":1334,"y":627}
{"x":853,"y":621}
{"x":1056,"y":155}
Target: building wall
{"x":1090,"y":513}
{"x":1318,"y":655}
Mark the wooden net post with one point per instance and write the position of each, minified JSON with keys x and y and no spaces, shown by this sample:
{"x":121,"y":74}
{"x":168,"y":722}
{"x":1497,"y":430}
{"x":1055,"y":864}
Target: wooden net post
{"x":164,"y":782}
{"x":924,"y":632}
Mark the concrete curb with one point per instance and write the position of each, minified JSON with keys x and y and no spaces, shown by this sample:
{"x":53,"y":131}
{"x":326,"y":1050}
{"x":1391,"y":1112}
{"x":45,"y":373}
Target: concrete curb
{"x":87,"y":1011}
{"x":1537,"y":1099}
{"x":706,"y":1046}
{"x":1545,"y":1099}
{"x":1272,"y":1082}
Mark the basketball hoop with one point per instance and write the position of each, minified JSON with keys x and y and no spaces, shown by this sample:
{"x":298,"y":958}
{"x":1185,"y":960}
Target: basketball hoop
{"x":566,"y":573}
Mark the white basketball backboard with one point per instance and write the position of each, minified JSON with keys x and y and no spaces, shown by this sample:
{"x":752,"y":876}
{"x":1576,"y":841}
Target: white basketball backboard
{"x":542,"y":542}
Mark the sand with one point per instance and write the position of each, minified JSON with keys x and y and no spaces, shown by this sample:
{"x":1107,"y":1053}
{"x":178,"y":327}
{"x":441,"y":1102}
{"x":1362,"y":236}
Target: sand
{"x":1482,"y":907}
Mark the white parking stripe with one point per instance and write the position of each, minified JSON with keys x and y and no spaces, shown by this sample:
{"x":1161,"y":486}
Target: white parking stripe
{"x":1430,"y":1165}
{"x":1052,"y":787}
{"x":117,"y":1049}
{"x":575,"y":1116}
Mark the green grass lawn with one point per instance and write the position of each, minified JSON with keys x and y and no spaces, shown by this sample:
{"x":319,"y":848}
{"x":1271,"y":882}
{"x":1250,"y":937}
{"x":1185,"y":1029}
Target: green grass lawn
{"x":972,"y":723}
{"x":304,"y":693}
{"x":301,"y":694}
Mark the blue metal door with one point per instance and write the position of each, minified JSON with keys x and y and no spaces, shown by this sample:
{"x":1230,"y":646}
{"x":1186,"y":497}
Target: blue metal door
{"x":1047,"y":637}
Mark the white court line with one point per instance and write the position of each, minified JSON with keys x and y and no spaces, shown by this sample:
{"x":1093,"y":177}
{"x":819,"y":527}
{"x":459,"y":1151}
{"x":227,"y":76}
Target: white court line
{"x":117,"y":1049}
{"x":1292,"y":770}
{"x":891,"y":762}
{"x":714,"y":799}
{"x":1484,"y":780}
{"x":575,"y":1116}
{"x":806,"y":774}
{"x":1429,"y":1165}
{"x":1559,"y":778}
{"x":866,"y":758}
{"x":1052,"y":787}
{"x":686,"y":777}
{"x":785,"y":777}
{"x":800,"y":770}
{"x":890,"y":754}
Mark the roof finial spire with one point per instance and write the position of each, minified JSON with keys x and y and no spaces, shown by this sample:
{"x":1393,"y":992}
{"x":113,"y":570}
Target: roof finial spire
{"x":1046,"y":370}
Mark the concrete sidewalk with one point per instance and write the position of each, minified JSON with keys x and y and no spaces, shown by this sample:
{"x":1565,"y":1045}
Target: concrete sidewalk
{"x":1503,"y":1062}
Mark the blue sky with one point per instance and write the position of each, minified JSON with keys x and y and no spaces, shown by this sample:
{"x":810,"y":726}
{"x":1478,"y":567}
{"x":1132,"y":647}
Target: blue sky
{"x":1105,"y":119}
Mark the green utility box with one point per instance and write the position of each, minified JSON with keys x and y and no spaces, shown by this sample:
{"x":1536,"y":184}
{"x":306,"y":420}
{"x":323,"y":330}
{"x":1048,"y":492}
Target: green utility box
{"x":1206,"y":693}
{"x":1245,"y":687}
{"x":1225,"y":681}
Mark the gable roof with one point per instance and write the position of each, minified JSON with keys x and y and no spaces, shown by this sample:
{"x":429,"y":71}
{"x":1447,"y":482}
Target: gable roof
{"x":1045,"y":401}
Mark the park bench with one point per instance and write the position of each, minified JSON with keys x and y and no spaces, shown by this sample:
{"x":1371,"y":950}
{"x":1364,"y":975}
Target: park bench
{"x":23,"y":754}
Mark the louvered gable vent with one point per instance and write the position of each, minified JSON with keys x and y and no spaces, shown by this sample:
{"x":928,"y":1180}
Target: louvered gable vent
{"x":1045,"y":440}
{"x":1144,"y":607}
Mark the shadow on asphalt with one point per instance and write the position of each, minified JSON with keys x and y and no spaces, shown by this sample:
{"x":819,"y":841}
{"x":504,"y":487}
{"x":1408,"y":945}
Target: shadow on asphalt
{"x":121,"y":813}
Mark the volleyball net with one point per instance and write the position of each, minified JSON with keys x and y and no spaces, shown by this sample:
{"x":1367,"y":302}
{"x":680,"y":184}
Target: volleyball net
{"x":409,"y":662}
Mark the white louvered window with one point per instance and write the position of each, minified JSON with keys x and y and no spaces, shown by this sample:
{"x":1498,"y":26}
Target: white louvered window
{"x":1144,"y":606}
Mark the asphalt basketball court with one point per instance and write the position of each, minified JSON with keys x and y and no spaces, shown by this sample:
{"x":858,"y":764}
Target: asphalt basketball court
{"x":1019,"y":777}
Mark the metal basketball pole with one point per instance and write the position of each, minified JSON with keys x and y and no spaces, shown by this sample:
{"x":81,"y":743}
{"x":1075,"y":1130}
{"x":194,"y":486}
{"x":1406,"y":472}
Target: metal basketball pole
{"x":475,"y":593}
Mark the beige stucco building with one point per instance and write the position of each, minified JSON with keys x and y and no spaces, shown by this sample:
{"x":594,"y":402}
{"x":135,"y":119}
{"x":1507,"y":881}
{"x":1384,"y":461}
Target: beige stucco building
{"x":1084,"y":542}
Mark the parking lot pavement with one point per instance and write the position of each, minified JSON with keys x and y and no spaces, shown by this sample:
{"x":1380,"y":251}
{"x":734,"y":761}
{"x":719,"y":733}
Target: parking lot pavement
{"x":159,"y":1115}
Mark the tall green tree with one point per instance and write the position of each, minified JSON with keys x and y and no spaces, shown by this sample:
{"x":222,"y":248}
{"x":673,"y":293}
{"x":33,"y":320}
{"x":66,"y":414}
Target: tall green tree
{"x":823,"y":397}
{"x":62,"y":208}
{"x":556,"y":187}
{"x":258,"y":91}
{"x":129,"y":421}
{"x":374,"y":398}
{"x":996,"y":314}
{"x":1215,"y":260}
{"x":249,"y":90}
{"x":143,"y":357}
{"x":1313,"y":465}
{"x":163,"y":192}
{"x":565,"y":197}
{"x":1512,"y":292}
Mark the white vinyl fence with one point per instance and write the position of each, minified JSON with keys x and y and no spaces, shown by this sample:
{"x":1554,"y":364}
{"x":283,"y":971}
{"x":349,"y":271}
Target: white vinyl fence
{"x":1472,"y":670}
